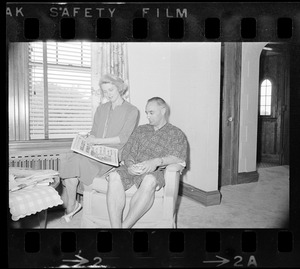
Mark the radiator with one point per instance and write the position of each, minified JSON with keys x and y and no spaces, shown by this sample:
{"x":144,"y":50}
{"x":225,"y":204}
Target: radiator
{"x":50,"y":161}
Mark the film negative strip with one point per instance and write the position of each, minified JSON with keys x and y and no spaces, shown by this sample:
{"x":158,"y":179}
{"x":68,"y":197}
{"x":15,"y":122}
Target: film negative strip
{"x":230,"y":75}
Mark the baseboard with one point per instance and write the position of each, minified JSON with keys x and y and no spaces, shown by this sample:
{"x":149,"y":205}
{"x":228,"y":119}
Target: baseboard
{"x":206,"y":198}
{"x":213,"y":197}
{"x":247,"y":177}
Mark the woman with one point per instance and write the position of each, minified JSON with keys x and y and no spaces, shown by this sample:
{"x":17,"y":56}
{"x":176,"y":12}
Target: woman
{"x":113,"y":123}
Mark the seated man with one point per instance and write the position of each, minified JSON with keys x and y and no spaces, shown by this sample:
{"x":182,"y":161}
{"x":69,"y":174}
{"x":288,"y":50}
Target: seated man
{"x":150,"y":148}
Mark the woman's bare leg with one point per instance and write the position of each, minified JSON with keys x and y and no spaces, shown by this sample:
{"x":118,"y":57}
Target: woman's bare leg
{"x":71,"y":188}
{"x":115,"y":200}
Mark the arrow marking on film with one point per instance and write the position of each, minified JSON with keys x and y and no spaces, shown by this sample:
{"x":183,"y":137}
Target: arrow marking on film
{"x":81,"y":261}
{"x":222,"y":261}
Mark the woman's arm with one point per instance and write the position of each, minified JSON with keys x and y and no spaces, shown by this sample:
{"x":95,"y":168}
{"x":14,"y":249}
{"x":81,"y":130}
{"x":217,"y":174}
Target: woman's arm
{"x":128,"y":126}
{"x":126,"y":131}
{"x":95,"y":121}
{"x":104,"y":141}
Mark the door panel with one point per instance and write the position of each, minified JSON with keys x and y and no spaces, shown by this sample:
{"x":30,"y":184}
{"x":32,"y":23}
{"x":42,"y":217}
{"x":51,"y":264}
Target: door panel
{"x":269,"y":147}
{"x":272,"y":130}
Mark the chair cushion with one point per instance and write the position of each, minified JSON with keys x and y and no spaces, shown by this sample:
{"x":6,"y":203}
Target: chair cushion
{"x":100,"y":185}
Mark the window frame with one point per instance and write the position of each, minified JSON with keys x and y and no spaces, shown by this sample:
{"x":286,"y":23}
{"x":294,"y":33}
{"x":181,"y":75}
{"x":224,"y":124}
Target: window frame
{"x":18,"y":98}
{"x":272,"y":98}
{"x":57,"y":61}
{"x":18,"y":103}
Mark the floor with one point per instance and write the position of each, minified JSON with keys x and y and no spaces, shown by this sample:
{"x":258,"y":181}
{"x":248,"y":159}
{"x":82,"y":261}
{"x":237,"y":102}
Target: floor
{"x":263,"y":204}
{"x":267,"y":164}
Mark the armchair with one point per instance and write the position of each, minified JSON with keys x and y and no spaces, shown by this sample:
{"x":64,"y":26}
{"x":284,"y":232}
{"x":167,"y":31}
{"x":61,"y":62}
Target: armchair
{"x":162,"y":214}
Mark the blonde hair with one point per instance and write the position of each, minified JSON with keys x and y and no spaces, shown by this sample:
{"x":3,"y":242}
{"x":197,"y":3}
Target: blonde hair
{"x":115,"y":80}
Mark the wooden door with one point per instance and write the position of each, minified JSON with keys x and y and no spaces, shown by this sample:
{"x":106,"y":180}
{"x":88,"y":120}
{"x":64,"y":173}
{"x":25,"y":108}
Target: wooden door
{"x":272,"y":127}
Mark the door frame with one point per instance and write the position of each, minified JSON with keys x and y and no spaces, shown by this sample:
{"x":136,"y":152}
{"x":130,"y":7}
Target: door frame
{"x":231,"y":69}
{"x":285,"y":122}
{"x":231,"y":62}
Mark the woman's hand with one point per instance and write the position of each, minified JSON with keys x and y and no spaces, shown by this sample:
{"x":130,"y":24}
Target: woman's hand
{"x":91,"y":139}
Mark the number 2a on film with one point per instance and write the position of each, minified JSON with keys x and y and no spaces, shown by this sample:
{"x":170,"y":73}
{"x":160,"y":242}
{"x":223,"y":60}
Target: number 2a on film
{"x":239,"y":262}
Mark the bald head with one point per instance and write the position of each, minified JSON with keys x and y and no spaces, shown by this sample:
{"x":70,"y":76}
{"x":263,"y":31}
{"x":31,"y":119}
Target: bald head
{"x":157,"y":112}
{"x":161,"y":103}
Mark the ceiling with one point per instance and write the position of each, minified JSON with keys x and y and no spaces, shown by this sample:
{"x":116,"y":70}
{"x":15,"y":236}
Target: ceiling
{"x":274,"y":48}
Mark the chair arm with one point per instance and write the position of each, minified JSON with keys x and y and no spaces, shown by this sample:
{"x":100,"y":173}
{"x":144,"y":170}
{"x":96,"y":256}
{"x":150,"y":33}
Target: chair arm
{"x":172,"y":173}
{"x":176,"y":167}
{"x":99,"y":184}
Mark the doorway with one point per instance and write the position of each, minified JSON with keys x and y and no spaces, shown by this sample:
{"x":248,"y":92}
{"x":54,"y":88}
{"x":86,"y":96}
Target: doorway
{"x":242,"y":148}
{"x":273,"y":106}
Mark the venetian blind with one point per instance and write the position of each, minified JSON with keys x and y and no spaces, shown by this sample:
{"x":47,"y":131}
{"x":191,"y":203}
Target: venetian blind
{"x":60,"y":102}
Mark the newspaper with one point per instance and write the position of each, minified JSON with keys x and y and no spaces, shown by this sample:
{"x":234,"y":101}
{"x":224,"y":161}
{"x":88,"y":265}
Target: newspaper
{"x":99,"y":153}
{"x":23,"y":178}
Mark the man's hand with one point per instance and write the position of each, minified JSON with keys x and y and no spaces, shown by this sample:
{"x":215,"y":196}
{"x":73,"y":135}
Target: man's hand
{"x":135,"y":170}
{"x":149,"y":166}
{"x":144,"y":167}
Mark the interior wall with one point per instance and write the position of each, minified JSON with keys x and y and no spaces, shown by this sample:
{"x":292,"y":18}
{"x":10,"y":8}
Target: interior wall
{"x":195,"y":100}
{"x":249,"y":105}
{"x":187,"y":76}
{"x":149,"y":74}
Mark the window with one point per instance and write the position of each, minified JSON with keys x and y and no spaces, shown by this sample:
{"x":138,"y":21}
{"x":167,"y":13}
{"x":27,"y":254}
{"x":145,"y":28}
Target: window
{"x":265,"y":98}
{"x":60,"y":102}
{"x":54,"y":86}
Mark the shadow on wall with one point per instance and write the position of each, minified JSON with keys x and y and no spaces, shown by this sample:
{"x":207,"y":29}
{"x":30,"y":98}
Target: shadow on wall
{"x":188,"y":163}
{"x":188,"y":160}
{"x":138,"y":119}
